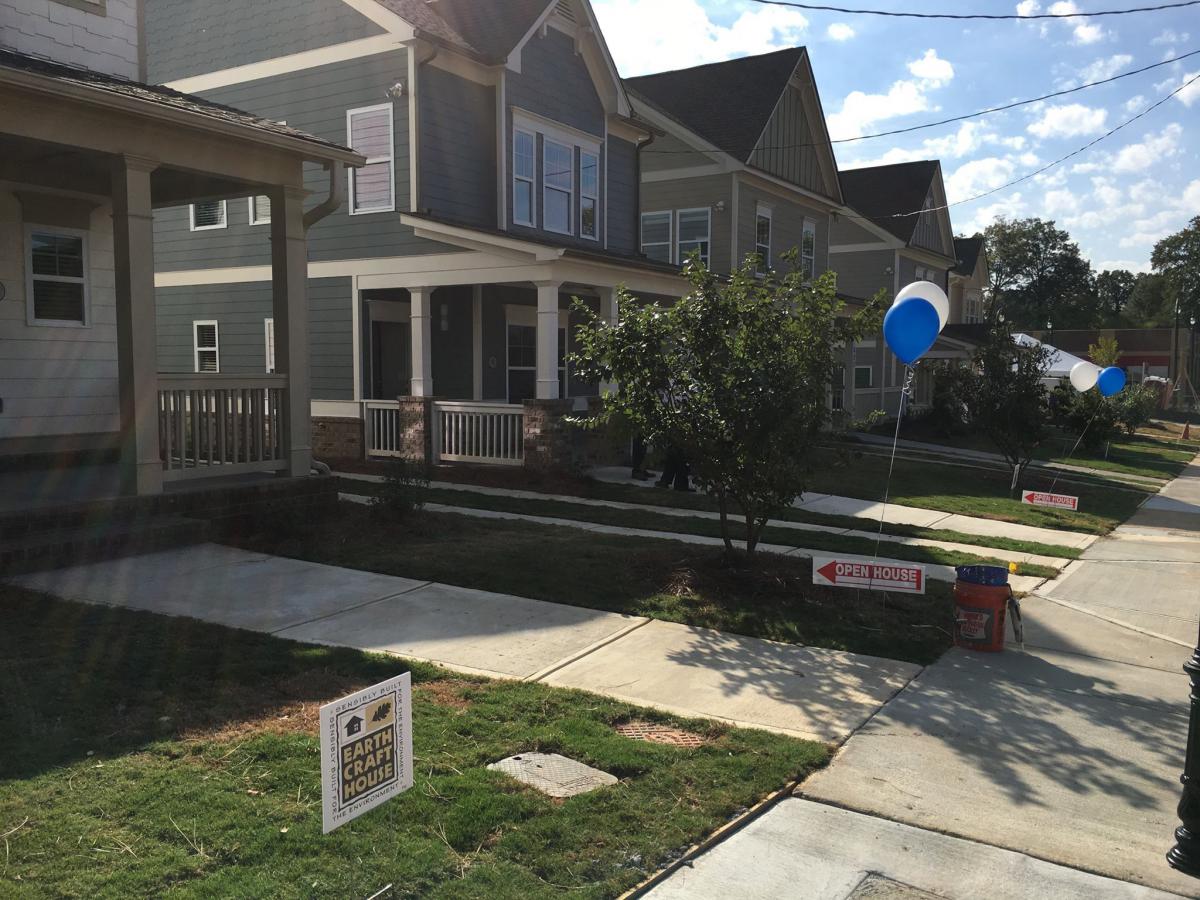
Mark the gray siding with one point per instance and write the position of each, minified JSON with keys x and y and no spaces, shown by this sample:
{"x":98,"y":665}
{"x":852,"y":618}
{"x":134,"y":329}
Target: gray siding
{"x":669,"y":152}
{"x":555,"y":82}
{"x":458,"y":154}
{"x":316,"y":101}
{"x":240,"y":310}
{"x":696,"y":193}
{"x":846,"y":230}
{"x":622,"y":196}
{"x":908,"y":273}
{"x":190,"y":37}
{"x":928,"y":233}
{"x":787,"y":225}
{"x":863,"y":274}
{"x":787,"y":146}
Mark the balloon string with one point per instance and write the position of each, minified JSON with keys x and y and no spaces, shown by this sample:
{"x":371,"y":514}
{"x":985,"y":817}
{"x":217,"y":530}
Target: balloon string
{"x":909,"y":374}
{"x":1077,"y":443}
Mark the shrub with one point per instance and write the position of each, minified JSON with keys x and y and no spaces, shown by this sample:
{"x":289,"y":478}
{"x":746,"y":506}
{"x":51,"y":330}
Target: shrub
{"x":1135,"y":406}
{"x":403,"y":489}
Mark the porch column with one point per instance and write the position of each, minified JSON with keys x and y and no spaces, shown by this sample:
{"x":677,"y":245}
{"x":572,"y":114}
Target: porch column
{"x":289,"y":292}
{"x":422,"y":341}
{"x":547,"y":340}
{"x":137,"y":339}
{"x":609,"y":315}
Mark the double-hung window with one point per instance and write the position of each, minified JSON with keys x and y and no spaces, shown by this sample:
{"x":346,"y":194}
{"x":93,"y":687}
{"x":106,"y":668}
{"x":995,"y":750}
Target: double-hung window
{"x":558,"y":183}
{"x":808,"y":250}
{"x":206,"y":352}
{"x":762,"y":239}
{"x":864,"y":378}
{"x":694,"y":233}
{"x":524,"y":157}
{"x":656,"y":235}
{"x":369,"y":132}
{"x":208,"y":215}
{"x":589,"y":194}
{"x":57,"y":277}
{"x":260,"y":210}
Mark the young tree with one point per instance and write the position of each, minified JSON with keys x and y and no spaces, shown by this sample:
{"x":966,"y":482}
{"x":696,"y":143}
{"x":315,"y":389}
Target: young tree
{"x":736,"y":375}
{"x":1105,"y":352}
{"x":1004,"y":397}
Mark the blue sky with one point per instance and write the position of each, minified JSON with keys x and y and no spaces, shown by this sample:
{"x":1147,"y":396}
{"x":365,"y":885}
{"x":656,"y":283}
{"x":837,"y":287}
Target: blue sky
{"x":878,"y":74}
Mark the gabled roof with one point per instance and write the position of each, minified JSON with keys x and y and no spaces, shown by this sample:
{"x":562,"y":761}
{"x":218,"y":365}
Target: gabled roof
{"x":163,"y":98}
{"x":487,"y":29}
{"x":891,"y":196}
{"x":967,"y":251}
{"x":726,"y":103}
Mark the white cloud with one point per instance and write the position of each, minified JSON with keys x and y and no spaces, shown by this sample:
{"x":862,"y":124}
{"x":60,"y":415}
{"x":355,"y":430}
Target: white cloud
{"x":840,"y":31}
{"x":1068,"y":120}
{"x":1104,"y":68}
{"x":1010,"y":207}
{"x":1028,"y":8}
{"x":1171,"y":37}
{"x":1083,"y":30}
{"x":1135,"y":104}
{"x":1060,"y":202}
{"x":675,"y":34}
{"x":1191,"y":93}
{"x":932,"y":68}
{"x":1146,"y":153}
{"x":978,"y":176}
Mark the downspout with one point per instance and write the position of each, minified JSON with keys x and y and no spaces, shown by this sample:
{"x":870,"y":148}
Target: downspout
{"x":637,"y":195}
{"x":337,"y":193}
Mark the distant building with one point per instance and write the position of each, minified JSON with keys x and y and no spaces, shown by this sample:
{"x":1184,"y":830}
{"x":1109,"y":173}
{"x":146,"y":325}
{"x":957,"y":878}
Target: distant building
{"x":1162,"y":352}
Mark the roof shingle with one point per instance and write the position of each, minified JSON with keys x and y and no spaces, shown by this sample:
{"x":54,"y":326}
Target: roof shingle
{"x":966,"y":251}
{"x":488,"y":29}
{"x":890,"y":196}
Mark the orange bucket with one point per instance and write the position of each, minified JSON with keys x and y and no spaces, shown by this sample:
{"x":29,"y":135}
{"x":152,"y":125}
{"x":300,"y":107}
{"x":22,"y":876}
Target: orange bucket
{"x":979,"y":614}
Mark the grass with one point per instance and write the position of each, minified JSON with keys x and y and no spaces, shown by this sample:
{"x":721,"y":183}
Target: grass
{"x":649,"y":520}
{"x":150,"y":756}
{"x":667,"y":580}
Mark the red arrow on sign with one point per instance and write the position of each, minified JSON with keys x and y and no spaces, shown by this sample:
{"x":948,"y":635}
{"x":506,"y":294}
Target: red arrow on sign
{"x":1054,"y":501}
{"x":884,"y":576}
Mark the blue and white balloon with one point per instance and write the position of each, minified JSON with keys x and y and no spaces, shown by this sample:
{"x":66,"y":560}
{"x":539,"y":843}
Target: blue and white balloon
{"x":929,"y":291}
{"x":1111,"y":381}
{"x":910,"y":328}
{"x":1084,"y":376}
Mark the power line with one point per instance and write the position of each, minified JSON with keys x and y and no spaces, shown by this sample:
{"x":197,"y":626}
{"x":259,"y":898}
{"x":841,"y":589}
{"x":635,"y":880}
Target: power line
{"x":1045,"y":168}
{"x":735,"y":151}
{"x":994,"y":17}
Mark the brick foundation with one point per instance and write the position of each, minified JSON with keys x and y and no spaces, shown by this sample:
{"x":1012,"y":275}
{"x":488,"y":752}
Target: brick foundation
{"x":416,"y":430}
{"x":338,"y":439}
{"x":549,"y":438}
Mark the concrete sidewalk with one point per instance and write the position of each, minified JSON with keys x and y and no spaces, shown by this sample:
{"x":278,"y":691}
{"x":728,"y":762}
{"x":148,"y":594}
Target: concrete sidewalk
{"x":895,"y":514}
{"x":804,"y":692}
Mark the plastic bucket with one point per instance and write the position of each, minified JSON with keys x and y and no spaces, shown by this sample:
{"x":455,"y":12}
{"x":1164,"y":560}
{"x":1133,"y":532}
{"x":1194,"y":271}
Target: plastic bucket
{"x":979,"y":614}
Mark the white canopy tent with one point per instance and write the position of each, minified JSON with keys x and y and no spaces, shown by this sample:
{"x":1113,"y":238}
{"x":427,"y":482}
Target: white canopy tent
{"x":1061,"y":362}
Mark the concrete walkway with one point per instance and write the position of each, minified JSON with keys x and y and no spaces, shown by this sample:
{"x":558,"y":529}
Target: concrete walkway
{"x":895,"y":514}
{"x":816,"y":694}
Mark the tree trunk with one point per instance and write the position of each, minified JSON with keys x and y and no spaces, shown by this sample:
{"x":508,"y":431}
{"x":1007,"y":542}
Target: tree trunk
{"x":751,"y":535}
{"x":723,"y":506}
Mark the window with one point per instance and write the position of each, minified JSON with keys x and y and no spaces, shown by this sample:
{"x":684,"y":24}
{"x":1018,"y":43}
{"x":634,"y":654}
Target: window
{"x":656,"y":235}
{"x":837,"y":393}
{"x":260,"y":210}
{"x":205,"y":350}
{"x":864,"y":377}
{"x":589,"y":193}
{"x":57,"y":277}
{"x":762,"y":239}
{"x":269,"y":344}
{"x":372,"y":188}
{"x":207,"y":215}
{"x":522,"y":361}
{"x":693,"y":233}
{"x":808,"y":250}
{"x":558,"y":164}
{"x":524,"y":153}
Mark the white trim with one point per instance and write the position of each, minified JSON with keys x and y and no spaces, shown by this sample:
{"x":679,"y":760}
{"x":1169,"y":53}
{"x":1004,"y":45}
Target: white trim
{"x":337,"y":409}
{"x":269,"y":344}
{"x":735,"y":203}
{"x":595,"y":198}
{"x":762,"y":211}
{"x":685,"y":172}
{"x":383,"y":17}
{"x":53,"y":230}
{"x":253,"y":210}
{"x":670,"y":232}
{"x":284,"y":65}
{"x":526,"y":316}
{"x":502,"y":151}
{"x":214,"y":349}
{"x":859,"y":248}
{"x":679,"y":214}
{"x":224,"y":217}
{"x":477,"y":340}
{"x":414,"y":135}
{"x":556,"y":131}
{"x":390,"y":159}
{"x":531,"y":180}
{"x":356,"y":350}
{"x":603,"y":183}
{"x":547,"y":142}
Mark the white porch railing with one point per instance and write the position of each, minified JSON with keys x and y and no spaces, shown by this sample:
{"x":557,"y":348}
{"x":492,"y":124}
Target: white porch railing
{"x":385,"y":436}
{"x":479,"y":432}
{"x":214,"y":425}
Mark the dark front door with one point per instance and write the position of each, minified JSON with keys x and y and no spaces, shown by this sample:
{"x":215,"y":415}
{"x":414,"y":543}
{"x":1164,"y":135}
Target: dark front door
{"x":391,"y":357}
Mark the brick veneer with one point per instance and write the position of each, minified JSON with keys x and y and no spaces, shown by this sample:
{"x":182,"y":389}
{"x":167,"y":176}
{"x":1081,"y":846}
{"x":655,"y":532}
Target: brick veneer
{"x":416,"y":429}
{"x":549,"y":438}
{"x":338,"y":438}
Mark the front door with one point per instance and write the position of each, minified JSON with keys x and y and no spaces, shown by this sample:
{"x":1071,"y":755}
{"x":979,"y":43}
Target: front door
{"x":391,"y":355}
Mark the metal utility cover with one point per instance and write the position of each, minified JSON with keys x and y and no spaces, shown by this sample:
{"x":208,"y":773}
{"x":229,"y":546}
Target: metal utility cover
{"x":553,"y":774}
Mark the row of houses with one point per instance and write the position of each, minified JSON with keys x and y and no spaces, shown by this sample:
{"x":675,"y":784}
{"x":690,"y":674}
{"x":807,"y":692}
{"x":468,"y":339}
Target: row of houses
{"x":239,"y":233}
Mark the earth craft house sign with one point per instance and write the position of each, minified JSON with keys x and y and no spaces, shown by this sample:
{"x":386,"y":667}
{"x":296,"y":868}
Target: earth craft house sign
{"x":366,"y":750}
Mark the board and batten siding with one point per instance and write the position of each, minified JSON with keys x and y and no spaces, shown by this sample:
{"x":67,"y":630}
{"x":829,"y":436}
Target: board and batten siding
{"x":458,"y":162}
{"x":862,"y":274}
{"x":787,"y":225}
{"x":240,"y":311}
{"x":697,"y":193}
{"x":193,"y":37}
{"x":787,"y":146}
{"x":316,"y":101}
{"x":57,"y":380}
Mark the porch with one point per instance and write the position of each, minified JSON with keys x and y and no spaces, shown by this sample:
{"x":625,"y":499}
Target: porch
{"x":85,"y":160}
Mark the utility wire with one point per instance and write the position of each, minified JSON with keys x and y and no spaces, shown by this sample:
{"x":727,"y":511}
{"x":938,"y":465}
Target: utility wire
{"x":983,"y":112}
{"x":994,"y":17}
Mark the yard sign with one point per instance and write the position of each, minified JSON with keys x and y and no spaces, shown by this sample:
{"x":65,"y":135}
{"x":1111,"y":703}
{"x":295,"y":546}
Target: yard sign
{"x":366,"y":750}
{"x":880,"y":575}
{"x":1054,"y":501}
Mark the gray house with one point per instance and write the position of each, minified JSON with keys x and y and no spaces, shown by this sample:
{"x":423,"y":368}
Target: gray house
{"x":743,"y":164}
{"x":501,"y":181}
{"x":894,"y":230}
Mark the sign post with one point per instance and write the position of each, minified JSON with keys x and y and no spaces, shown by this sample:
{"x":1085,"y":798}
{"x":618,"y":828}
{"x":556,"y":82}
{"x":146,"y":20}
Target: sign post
{"x":1053,"y":501}
{"x":366,"y":750}
{"x":880,"y":575}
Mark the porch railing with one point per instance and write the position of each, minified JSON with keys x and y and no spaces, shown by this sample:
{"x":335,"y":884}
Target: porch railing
{"x":479,"y":432}
{"x":384,"y":429}
{"x":213,"y":425}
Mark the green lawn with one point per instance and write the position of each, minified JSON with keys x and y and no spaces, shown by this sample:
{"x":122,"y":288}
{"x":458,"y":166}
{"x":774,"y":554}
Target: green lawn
{"x":649,"y":520}
{"x":153,"y":756}
{"x":661,"y":579}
